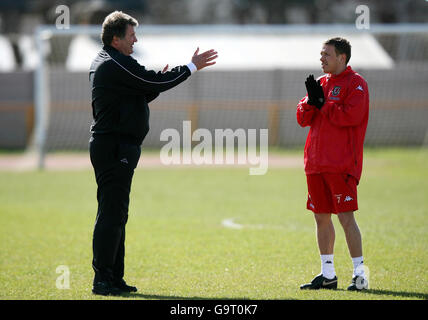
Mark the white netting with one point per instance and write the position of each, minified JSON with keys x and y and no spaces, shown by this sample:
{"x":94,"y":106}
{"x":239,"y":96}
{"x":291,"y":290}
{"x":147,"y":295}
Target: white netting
{"x":261,"y":91}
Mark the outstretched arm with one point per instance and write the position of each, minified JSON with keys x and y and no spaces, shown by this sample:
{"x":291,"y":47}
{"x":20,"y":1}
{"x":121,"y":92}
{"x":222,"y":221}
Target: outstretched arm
{"x":135,"y":76}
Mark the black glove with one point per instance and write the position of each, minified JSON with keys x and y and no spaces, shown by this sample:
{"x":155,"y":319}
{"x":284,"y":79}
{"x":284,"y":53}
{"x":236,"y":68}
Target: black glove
{"x":315,"y":92}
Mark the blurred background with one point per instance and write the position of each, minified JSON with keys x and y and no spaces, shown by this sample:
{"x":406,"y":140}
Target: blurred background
{"x":266,"y":48}
{"x":22,"y":16}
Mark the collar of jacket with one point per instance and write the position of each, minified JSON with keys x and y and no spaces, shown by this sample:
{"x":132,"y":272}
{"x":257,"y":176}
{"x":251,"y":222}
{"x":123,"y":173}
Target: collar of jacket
{"x":345,"y":72}
{"x":109,"y":48}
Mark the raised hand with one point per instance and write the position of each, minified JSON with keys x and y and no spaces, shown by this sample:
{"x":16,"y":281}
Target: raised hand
{"x":315,"y":92}
{"x":204,"y":59}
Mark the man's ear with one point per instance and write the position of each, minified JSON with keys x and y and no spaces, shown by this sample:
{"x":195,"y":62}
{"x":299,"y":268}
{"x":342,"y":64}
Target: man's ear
{"x":342,"y":57}
{"x":115,"y":40}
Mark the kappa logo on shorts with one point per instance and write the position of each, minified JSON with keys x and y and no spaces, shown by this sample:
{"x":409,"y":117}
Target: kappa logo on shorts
{"x":348,"y":198}
{"x":124,"y":160}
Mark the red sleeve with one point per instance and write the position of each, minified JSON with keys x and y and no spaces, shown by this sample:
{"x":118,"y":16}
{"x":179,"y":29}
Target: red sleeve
{"x":354,"y":107}
{"x":305,"y":112}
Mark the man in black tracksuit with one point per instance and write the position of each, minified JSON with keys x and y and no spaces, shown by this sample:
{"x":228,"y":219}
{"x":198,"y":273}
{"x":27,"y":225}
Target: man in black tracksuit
{"x":121,"y":91}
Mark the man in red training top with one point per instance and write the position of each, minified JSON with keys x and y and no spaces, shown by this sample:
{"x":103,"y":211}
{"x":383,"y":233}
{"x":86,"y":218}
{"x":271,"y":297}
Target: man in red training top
{"x":337,"y":109}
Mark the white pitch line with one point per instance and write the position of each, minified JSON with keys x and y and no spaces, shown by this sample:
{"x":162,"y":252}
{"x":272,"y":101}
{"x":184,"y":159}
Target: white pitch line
{"x":228,"y":223}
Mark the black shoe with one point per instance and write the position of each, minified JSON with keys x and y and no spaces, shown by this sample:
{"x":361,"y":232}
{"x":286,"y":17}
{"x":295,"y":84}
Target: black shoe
{"x":358,"y":284}
{"x":122,"y":286}
{"x":320,"y":282}
{"x":105,"y":288}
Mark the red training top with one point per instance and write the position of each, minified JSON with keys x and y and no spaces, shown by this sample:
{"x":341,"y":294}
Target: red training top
{"x":336,"y":137}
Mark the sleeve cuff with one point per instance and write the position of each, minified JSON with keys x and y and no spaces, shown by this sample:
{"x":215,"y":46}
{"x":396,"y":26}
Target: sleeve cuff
{"x":306,"y":106}
{"x":192,"y":67}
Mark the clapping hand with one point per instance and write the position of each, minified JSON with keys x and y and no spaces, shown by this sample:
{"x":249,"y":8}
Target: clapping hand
{"x":315,"y":92}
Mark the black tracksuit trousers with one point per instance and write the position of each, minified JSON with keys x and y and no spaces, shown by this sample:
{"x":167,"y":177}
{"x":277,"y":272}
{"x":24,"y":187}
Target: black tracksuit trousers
{"x":114,"y":163}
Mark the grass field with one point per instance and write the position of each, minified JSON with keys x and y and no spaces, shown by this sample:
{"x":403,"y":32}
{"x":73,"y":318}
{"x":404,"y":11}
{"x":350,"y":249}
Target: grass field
{"x":177,"y":247}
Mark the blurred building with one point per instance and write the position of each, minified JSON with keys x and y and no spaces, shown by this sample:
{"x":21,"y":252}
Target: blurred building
{"x":18,"y":16}
{"x":21,"y":17}
{"x":270,"y":101}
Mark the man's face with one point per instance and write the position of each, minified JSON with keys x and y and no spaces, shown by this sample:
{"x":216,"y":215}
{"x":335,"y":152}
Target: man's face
{"x":125,"y":45}
{"x":330,"y":62}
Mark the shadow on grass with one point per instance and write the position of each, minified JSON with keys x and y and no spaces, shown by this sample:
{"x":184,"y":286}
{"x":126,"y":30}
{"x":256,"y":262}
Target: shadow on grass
{"x":403,"y":294}
{"x":161,"y":297}
{"x":379,"y":292}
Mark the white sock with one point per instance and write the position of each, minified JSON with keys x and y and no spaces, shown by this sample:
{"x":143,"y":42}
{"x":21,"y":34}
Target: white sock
{"x":327,"y":266}
{"x":358,"y":266}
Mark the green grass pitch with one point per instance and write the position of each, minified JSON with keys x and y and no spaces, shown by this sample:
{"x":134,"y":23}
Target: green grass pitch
{"x":177,"y":247}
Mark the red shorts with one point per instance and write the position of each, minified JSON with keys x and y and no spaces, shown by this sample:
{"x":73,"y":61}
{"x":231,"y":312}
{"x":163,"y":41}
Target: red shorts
{"x":331,"y":193}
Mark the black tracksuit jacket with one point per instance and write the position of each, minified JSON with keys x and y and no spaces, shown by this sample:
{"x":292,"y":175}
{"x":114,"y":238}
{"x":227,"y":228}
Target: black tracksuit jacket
{"x":121,"y":91}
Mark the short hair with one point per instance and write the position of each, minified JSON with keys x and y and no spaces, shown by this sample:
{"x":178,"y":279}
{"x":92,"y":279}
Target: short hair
{"x":115,"y":24}
{"x":341,"y":46}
